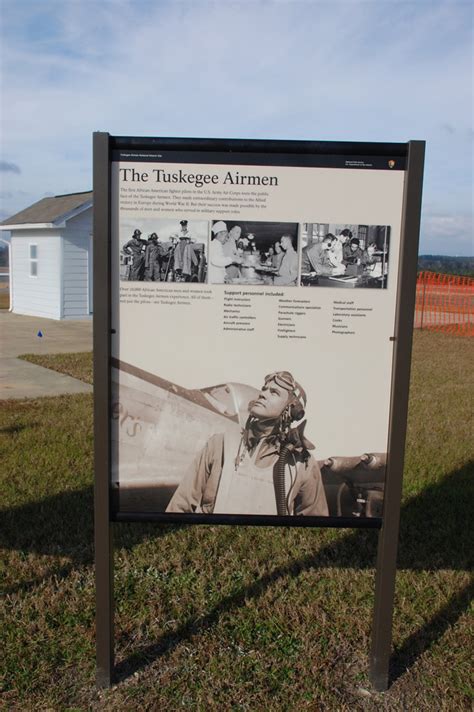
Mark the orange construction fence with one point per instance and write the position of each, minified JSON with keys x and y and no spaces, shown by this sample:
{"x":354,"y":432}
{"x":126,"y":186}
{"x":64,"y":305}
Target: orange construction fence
{"x":445,"y":302}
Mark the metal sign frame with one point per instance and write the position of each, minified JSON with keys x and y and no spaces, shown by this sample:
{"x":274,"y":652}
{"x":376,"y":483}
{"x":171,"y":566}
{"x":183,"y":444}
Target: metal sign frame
{"x":388,"y":525}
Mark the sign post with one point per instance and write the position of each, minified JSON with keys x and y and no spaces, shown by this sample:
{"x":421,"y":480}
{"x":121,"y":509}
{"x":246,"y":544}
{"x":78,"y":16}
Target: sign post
{"x":388,"y":535}
{"x":296,"y":261}
{"x":104,"y":559}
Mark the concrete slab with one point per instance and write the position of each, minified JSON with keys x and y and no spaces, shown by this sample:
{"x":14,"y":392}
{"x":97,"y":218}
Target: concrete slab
{"x":19,"y":335}
{"x":21,"y":379}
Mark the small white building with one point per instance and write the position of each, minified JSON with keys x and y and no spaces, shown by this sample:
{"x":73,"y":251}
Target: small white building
{"x":51,"y":257}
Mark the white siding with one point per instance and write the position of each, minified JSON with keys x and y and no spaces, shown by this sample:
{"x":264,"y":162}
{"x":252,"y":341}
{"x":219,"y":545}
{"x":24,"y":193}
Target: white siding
{"x":41,"y":295}
{"x":81,"y":222}
{"x":76,"y":238}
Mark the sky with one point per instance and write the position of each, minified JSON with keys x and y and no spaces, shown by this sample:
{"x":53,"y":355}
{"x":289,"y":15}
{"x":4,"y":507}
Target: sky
{"x":371,"y":70}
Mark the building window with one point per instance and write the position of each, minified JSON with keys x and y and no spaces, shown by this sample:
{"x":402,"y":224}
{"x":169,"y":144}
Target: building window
{"x":33,"y":260}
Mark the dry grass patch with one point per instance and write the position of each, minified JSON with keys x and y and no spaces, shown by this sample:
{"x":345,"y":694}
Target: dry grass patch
{"x":77,"y":365}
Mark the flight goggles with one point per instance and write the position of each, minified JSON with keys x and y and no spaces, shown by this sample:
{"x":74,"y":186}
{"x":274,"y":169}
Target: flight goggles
{"x":285,"y":380}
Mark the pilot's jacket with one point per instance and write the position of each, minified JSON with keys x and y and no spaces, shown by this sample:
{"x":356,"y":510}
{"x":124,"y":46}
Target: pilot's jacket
{"x":217,"y":484}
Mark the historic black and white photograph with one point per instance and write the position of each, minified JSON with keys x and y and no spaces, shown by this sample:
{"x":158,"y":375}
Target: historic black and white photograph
{"x":232,"y":448}
{"x":163,"y":250}
{"x":231,"y":407}
{"x":249,"y":252}
{"x":344,"y":255}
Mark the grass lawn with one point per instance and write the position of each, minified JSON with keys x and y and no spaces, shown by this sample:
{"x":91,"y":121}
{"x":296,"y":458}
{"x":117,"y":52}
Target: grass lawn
{"x":220,"y":618}
{"x":78,"y":365}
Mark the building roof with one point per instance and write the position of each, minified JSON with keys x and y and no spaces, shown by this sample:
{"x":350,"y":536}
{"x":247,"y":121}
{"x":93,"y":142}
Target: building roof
{"x":50,"y":210}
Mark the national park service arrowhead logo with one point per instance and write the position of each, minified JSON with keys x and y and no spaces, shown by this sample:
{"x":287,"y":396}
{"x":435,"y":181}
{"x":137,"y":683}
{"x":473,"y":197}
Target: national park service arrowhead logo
{"x":391,"y":163}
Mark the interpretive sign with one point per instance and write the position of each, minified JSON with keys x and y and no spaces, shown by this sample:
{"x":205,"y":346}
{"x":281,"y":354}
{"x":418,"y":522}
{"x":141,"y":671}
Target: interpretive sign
{"x":253,"y":332}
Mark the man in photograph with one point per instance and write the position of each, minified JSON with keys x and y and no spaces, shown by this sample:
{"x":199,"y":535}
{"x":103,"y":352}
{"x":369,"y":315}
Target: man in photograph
{"x":183,"y":231}
{"x":288,"y":272}
{"x":264,"y":469}
{"x":345,"y":236}
{"x":153,"y":257}
{"x":136,"y":248}
{"x":184,"y":257}
{"x":230,"y":250}
{"x":353,"y":256}
{"x":218,"y":260}
{"x":317,"y":257}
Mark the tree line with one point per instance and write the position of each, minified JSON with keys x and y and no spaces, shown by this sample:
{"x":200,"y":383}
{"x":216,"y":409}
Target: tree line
{"x":445,"y":264}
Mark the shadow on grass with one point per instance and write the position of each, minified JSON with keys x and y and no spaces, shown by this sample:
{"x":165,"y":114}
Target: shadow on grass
{"x":62,"y":525}
{"x":166,"y":643}
{"x":434,"y":534}
{"x":417,"y":643}
{"x":16,"y":428}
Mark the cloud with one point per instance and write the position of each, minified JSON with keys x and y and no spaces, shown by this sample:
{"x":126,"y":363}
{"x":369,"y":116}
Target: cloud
{"x":447,"y":233}
{"x":205,"y":68}
{"x":316,"y":70}
{"x":448,"y":129}
{"x":6,"y":167}
{"x":9,"y":194}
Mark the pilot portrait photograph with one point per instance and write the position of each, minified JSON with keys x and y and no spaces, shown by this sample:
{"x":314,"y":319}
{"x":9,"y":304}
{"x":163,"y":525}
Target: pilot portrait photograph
{"x":267,"y":468}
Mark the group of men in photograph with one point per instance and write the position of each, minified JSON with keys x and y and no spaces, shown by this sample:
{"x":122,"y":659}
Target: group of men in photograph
{"x":337,"y":254}
{"x":178,"y":260}
{"x":230,"y":251}
{"x":181,"y":259}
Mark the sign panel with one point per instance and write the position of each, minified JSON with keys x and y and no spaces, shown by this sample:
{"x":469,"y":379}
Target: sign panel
{"x":253,"y":320}
{"x":253,"y":305}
